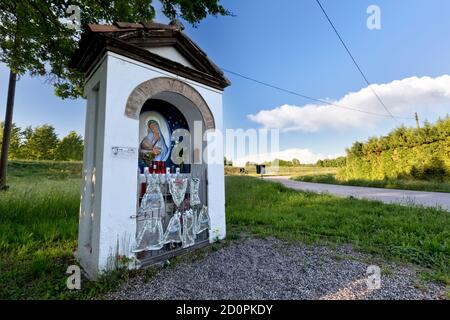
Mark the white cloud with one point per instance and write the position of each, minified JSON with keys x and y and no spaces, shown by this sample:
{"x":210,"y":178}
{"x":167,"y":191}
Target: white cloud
{"x":304,"y":155}
{"x":402,"y":97}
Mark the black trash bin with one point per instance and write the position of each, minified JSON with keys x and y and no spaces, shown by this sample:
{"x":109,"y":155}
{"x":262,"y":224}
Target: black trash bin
{"x":263,"y":169}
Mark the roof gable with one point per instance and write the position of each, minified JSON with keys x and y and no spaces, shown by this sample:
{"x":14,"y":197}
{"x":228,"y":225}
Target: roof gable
{"x":149,"y":43}
{"x":173,"y":54}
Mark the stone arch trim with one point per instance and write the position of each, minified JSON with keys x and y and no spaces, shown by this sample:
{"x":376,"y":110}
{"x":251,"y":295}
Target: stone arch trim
{"x":150,"y":88}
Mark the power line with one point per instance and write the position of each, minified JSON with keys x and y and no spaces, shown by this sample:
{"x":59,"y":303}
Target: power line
{"x":354,"y":61}
{"x":308,"y":97}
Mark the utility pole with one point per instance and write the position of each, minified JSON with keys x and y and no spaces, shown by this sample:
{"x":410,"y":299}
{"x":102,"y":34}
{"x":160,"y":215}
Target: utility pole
{"x":417,"y":120}
{"x":8,"y":116}
{"x":7,"y":129}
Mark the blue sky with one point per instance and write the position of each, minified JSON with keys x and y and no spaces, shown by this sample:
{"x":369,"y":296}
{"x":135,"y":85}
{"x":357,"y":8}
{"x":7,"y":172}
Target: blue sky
{"x":290,"y":44}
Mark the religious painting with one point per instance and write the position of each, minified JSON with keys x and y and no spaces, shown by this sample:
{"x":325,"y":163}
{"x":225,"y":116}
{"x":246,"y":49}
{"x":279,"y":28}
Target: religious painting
{"x":155,"y":143}
{"x":158,"y":120}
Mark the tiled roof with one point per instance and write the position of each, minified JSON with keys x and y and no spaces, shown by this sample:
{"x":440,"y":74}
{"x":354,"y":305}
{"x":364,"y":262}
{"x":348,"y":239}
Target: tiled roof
{"x":127,"y":26}
{"x":134,"y":40}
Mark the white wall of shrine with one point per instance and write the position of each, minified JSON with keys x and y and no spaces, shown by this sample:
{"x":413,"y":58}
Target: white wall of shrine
{"x":109,"y":191}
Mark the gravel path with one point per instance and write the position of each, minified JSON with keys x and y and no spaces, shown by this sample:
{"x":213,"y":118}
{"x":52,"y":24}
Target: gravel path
{"x":271,"y":269}
{"x":408,"y":197}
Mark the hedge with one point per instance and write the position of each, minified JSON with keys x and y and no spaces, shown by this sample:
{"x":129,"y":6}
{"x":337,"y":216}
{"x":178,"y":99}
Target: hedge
{"x":419,"y":153}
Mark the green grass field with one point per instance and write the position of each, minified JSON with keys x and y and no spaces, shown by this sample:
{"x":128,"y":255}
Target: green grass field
{"x":299,"y":171}
{"x":39,"y":222}
{"x":309,"y":173}
{"x":405,"y":184}
{"x":38,"y":231}
{"x":409,"y":234}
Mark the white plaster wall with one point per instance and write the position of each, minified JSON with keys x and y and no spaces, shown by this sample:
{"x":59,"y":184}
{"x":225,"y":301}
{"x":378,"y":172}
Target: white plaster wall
{"x":90,"y":204}
{"x":119,"y":178}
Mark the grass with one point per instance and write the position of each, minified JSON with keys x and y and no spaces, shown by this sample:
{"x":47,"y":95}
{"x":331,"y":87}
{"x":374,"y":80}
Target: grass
{"x":38,"y":233}
{"x":409,"y":234}
{"x":405,"y":184}
{"x":39,"y":222}
{"x":51,"y":170}
{"x":305,"y":170}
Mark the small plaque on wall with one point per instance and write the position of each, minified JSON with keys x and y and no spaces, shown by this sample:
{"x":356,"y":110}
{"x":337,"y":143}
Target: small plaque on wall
{"x":124,"y":152}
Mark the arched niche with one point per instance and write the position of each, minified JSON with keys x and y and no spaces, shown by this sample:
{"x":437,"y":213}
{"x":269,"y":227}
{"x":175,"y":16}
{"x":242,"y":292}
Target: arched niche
{"x":168,"y":89}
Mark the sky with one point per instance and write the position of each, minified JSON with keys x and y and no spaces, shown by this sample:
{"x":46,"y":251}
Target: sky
{"x":290,"y":44}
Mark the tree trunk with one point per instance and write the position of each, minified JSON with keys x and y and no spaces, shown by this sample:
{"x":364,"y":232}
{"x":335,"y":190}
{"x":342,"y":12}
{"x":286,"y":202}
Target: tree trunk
{"x":7,"y":128}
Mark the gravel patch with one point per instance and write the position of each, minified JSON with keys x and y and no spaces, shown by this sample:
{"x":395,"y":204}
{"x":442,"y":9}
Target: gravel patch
{"x":272,"y":269}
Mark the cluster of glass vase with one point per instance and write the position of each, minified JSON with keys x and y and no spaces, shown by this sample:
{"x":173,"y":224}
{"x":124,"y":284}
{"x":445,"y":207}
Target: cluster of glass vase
{"x":153,"y":198}
{"x":173,"y":231}
{"x":203,"y":222}
{"x":151,"y":234}
{"x":194,"y":188}
{"x":177,"y":188}
{"x":184,"y":225}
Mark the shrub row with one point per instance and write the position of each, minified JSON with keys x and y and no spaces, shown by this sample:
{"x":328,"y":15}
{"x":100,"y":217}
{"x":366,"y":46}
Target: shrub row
{"x":422,"y":153}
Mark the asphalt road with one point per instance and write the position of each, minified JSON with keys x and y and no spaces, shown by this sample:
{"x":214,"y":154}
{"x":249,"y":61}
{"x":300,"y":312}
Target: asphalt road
{"x":406,"y":197}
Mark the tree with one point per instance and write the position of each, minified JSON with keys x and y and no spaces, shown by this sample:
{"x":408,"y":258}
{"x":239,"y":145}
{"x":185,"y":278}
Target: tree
{"x":70,"y":148}
{"x":332,"y":163}
{"x":15,"y":148}
{"x":27,"y":133}
{"x":193,"y":11}
{"x":42,"y":144}
{"x":34,"y":38}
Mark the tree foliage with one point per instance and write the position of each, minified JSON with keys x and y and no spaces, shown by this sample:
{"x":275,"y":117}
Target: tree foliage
{"x":193,"y":11}
{"x":283,"y":163}
{"x":35,"y":36}
{"x":15,"y":140}
{"x":70,"y":147}
{"x":42,"y":143}
{"x":422,"y":153}
{"x":332,"y":163}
